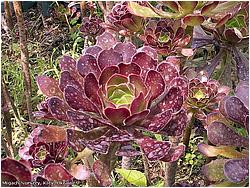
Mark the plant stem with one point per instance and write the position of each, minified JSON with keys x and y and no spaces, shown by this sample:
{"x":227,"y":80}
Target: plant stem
{"x":91,"y":181}
{"x":146,"y":168}
{"x":126,"y":162}
{"x":170,"y":167}
{"x":24,"y":56}
{"x":8,"y":15}
{"x":187,"y":133}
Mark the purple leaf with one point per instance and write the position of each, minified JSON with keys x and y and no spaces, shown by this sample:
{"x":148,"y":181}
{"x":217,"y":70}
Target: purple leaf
{"x":241,"y":63}
{"x":177,"y":124}
{"x":232,"y":35}
{"x":58,"y":108}
{"x":49,"y":86}
{"x":173,"y":100}
{"x":242,"y":92}
{"x":107,"y":73}
{"x":100,"y":145}
{"x":128,"y":151}
{"x":107,"y":58}
{"x":155,"y":83}
{"x":93,"y":50}
{"x":137,"y":81}
{"x":101,"y":172}
{"x":236,"y":170}
{"x":9,"y":180}
{"x":207,"y":8}
{"x":106,"y":40}
{"x":56,"y":172}
{"x":182,"y":83}
{"x":66,"y":79}
{"x":119,"y":136}
{"x":149,"y":50}
{"x":127,"y":69}
{"x":91,"y":88}
{"x":117,"y":115}
{"x":168,"y":70}
{"x":138,"y":104}
{"x":154,"y":150}
{"x":126,"y":49}
{"x":193,"y":20}
{"x":136,"y":118}
{"x":145,"y":62}
{"x":117,"y":79}
{"x":77,"y":101}
{"x":84,"y":121}
{"x":220,"y":134}
{"x":86,"y":64}
{"x":234,"y":109}
{"x":174,"y":154}
{"x":16,"y":168}
{"x":159,"y":121}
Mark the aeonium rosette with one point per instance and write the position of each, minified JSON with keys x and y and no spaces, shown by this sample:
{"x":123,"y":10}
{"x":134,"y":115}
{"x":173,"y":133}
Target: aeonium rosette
{"x":112,"y":93}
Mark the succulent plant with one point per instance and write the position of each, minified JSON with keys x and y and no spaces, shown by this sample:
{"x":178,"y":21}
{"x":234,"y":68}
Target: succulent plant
{"x":166,"y":36}
{"x":227,"y":130}
{"x":204,"y":95}
{"x":122,"y":20}
{"x":112,"y":93}
{"x":91,"y":26}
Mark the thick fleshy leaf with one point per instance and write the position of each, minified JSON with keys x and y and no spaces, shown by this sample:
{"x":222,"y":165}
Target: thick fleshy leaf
{"x":155,"y":83}
{"x":138,"y":104}
{"x":225,"y":151}
{"x":136,"y":118}
{"x":126,"y":49}
{"x":173,"y":100}
{"x":145,"y":62}
{"x":234,"y":109}
{"x":177,"y":124}
{"x":220,"y":134}
{"x":223,"y":21}
{"x":241,"y":62}
{"x":79,"y":172}
{"x":18,"y":169}
{"x":84,"y":121}
{"x":242,"y":92}
{"x":108,"y":58}
{"x":168,"y":71}
{"x":117,"y":79}
{"x":149,"y":50}
{"x":101,"y":173}
{"x":188,"y":6}
{"x":66,"y":79}
{"x":90,"y":135}
{"x":49,"y":86}
{"x":193,"y":20}
{"x":137,"y":81}
{"x":214,"y":170}
{"x":233,"y":35}
{"x":91,"y":88}
{"x":174,"y":153}
{"x":67,"y":63}
{"x":8,"y":180}
{"x":107,"y":73}
{"x":93,"y":50}
{"x":172,"y":5}
{"x":100,"y":145}
{"x":52,"y":133}
{"x":237,"y":170}
{"x":77,"y":101}
{"x":86,"y":64}
{"x":57,"y":172}
{"x":141,"y":11}
{"x":117,"y":115}
{"x":127,"y":69}
{"x":106,"y":40}
{"x":58,"y":108}
{"x":154,"y":150}
{"x":200,"y":38}
{"x":127,"y":151}
{"x":119,"y":136}
{"x":207,"y":8}
{"x":182,"y":83}
{"x":159,"y":121}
